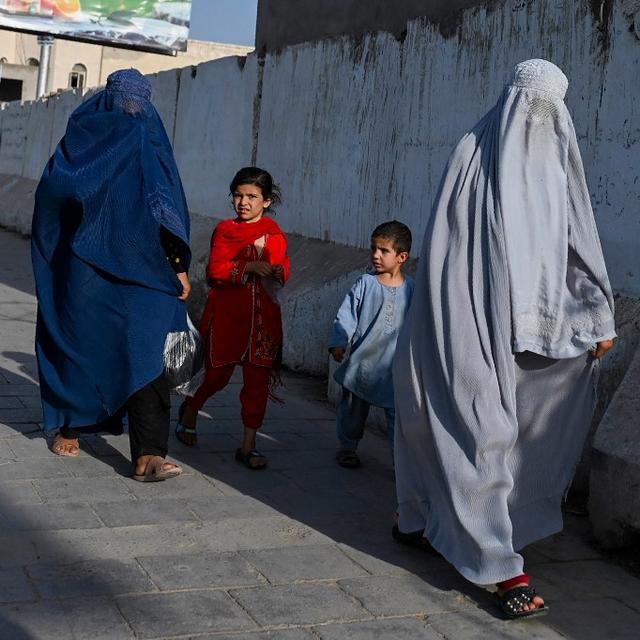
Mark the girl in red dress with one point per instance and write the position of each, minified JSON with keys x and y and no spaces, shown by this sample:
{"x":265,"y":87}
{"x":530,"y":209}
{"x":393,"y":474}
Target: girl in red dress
{"x":242,"y":324}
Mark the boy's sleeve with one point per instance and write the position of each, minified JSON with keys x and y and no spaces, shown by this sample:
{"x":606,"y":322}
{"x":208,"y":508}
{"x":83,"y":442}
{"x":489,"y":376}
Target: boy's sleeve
{"x":346,"y":320}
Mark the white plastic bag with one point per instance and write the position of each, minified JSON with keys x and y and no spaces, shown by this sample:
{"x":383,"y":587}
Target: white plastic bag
{"x":184,"y":360}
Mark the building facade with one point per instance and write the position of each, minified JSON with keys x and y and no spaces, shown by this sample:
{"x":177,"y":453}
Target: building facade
{"x":76,"y":65}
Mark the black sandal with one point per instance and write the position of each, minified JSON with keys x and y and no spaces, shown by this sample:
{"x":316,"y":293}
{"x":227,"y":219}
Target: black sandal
{"x":246,"y":458}
{"x":414,"y":539}
{"x":348,"y":459}
{"x":513,"y":600}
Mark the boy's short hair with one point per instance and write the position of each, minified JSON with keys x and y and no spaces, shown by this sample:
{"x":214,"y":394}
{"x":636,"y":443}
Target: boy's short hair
{"x":397,"y":232}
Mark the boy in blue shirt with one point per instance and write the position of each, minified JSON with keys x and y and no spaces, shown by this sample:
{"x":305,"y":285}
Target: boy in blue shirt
{"x":368,"y":323}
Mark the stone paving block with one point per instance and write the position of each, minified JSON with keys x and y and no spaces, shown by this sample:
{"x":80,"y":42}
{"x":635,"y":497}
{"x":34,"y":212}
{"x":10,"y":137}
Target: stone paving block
{"x":230,"y":507}
{"x":209,"y":442}
{"x":50,"y":516}
{"x":31,"y":445}
{"x":128,"y":513}
{"x":185,"y":486}
{"x":96,"y":619}
{"x":103,"y":577}
{"x":566,"y":546}
{"x":183,"y":613}
{"x":393,"y":559}
{"x":300,"y":461}
{"x":20,"y":416}
{"x":476,"y":624}
{"x":17,"y":549}
{"x":10,"y":402}
{"x":34,"y":469}
{"x":603,"y":619}
{"x":18,"y":492}
{"x":278,"y":634}
{"x":395,"y":629}
{"x":31,"y":401}
{"x":13,"y":428}
{"x":38,"y":621}
{"x":20,"y":390}
{"x":403,"y":595}
{"x":107,"y":445}
{"x":278,"y":442}
{"x":200,"y":571}
{"x":587,"y":580}
{"x":303,"y":427}
{"x":299,"y":604}
{"x":6,"y":453}
{"x":88,"y":466}
{"x":89,"y":489}
{"x":15,"y":587}
{"x":326,"y":562}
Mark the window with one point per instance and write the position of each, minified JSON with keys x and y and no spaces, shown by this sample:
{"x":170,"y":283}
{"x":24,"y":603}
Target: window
{"x":78,"y":77}
{"x":33,"y":62}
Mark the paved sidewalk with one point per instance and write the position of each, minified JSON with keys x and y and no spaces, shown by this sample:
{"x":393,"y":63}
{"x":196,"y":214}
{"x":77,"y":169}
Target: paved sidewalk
{"x":299,"y":551}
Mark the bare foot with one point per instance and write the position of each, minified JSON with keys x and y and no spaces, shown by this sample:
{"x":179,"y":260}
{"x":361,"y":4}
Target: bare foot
{"x":69,"y":447}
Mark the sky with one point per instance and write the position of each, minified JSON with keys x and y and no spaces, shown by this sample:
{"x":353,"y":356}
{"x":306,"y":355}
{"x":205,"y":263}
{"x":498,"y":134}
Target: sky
{"x":229,"y":21}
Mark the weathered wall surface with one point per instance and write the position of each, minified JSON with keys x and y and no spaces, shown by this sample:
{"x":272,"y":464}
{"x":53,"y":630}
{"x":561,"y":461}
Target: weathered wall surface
{"x":358,"y":130}
{"x":359,"y":133}
{"x":285,"y":22}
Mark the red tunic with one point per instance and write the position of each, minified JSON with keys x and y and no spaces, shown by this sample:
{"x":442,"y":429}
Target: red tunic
{"x":242,"y":320}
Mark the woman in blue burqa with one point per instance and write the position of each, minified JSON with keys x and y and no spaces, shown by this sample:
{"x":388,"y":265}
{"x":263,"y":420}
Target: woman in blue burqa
{"x":496,"y":365}
{"x":110,"y":251}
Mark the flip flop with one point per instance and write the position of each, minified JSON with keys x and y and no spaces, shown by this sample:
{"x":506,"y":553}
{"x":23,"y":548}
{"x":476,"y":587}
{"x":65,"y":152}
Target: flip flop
{"x":246,"y":458}
{"x":182,"y":428}
{"x":513,"y":600}
{"x":56,"y":447}
{"x":155,"y":471}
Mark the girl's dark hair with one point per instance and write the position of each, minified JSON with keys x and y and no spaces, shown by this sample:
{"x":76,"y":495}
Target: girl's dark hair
{"x":259,"y":178}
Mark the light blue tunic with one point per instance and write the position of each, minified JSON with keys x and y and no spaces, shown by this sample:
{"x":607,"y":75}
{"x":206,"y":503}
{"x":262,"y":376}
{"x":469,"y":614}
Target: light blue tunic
{"x":369,"y":321}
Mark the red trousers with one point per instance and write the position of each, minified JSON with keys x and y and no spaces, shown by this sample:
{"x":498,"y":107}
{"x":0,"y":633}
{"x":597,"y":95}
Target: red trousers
{"x":253,"y":396}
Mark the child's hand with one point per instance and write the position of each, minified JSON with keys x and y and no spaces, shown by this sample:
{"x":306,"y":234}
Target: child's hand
{"x":186,"y":285}
{"x":259,"y":268}
{"x":602,"y":348}
{"x":337,"y":353}
{"x":277,"y":272}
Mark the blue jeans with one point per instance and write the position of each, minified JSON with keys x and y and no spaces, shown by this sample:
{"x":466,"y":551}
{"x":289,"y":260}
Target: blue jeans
{"x":352,"y":415}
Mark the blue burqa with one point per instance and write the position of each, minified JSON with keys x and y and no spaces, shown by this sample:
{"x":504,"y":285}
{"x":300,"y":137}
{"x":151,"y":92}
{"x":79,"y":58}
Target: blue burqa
{"x":107,"y":295}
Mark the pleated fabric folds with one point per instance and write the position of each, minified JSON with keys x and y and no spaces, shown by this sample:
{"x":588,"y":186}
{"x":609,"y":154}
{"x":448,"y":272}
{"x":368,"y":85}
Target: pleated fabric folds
{"x":494,"y":385}
{"x":107,"y":296}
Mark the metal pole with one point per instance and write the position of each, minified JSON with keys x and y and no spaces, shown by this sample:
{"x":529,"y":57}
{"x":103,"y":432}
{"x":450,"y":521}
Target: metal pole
{"x":45,"y":42}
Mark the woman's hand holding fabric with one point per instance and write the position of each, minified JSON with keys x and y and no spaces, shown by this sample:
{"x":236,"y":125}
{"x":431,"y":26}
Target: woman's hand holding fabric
{"x":186,"y":285}
{"x":337,"y":353}
{"x":602,"y":348}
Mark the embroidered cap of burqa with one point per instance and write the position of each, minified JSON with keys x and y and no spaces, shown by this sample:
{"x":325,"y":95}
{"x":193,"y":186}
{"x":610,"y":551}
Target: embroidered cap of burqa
{"x":495,"y":387}
{"x":107,"y":296}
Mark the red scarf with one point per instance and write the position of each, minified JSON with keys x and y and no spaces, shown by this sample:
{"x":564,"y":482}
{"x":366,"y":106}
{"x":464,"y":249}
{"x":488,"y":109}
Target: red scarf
{"x":233,"y":236}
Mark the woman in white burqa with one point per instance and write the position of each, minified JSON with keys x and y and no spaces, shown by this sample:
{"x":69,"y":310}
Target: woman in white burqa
{"x":496,"y":366}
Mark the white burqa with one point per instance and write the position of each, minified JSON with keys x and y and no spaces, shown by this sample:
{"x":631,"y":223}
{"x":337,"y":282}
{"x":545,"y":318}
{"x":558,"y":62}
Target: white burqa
{"x":494,"y":383}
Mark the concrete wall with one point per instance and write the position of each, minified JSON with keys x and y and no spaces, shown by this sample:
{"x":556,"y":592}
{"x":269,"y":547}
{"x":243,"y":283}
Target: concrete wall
{"x":282,"y":23}
{"x":358,"y":131}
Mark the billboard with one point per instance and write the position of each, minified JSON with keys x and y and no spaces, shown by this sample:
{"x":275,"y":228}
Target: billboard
{"x":161,"y":26}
